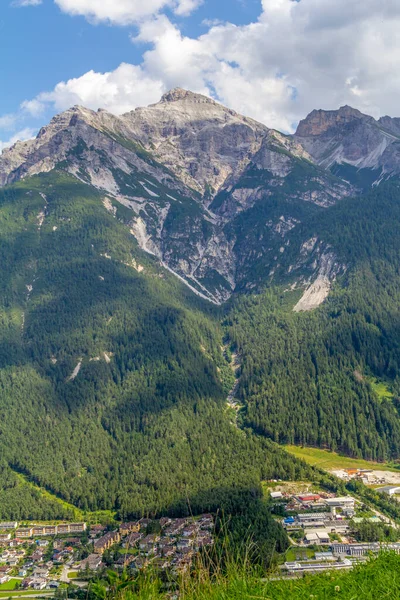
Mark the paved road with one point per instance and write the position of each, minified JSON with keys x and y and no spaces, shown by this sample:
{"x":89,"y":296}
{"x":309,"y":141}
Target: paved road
{"x":37,"y":594}
{"x":64,"y":575}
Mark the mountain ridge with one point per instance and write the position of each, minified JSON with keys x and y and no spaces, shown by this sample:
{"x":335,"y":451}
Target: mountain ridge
{"x":193,"y":172}
{"x":186,"y":149}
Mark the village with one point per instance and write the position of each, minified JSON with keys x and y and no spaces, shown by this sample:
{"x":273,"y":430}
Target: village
{"x":322,"y":530}
{"x":45,"y":557}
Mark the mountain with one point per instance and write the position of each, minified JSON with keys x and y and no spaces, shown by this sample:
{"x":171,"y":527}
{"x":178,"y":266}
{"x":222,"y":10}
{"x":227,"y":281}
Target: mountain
{"x":191,"y":171}
{"x":155,"y":264}
{"x":352,"y":145}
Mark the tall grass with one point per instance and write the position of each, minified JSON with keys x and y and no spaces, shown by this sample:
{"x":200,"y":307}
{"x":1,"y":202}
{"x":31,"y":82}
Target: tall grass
{"x":238,"y":579}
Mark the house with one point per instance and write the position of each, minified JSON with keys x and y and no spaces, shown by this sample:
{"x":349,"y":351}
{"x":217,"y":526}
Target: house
{"x":307,"y":498}
{"x":50,"y":530}
{"x":8,"y":525}
{"x":24,"y":532}
{"x":41,"y":572}
{"x":93,"y":562}
{"x":96,"y":530}
{"x":206,"y":540}
{"x":152,"y":538}
{"x":53,"y":585}
{"x":390,"y":490}
{"x":175,"y":526}
{"x":340,"y":502}
{"x":144,"y":523}
{"x":327,"y":556}
{"x":77,"y":527}
{"x":148,"y":548}
{"x":63,"y":528}
{"x":168,"y":551}
{"x":4,"y":537}
{"x":311,"y":517}
{"x":39,"y":583}
{"x":4,"y":579}
{"x":126,"y":528}
{"x":106,"y":541}
{"x":28,"y":582}
{"x":38,"y":530}
{"x":276,"y":495}
{"x":164,"y":521}
{"x":42,"y":543}
{"x":140,"y":563}
{"x":184,"y":543}
{"x":16,"y":542}
{"x":123,"y":561}
{"x":190,"y":530}
{"x":22,"y":572}
{"x":37,"y":556}
{"x":160,"y":563}
{"x":132,"y":540}
{"x":206,"y":521}
{"x":317,"y":536}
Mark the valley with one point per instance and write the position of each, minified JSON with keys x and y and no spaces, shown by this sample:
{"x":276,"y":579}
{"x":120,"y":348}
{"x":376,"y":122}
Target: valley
{"x":191,"y":305}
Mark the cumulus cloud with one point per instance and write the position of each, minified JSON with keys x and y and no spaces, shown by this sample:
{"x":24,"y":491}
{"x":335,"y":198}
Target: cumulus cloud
{"x":24,"y":134}
{"x":124,"y":12}
{"x":297,"y":56}
{"x":118,"y":91}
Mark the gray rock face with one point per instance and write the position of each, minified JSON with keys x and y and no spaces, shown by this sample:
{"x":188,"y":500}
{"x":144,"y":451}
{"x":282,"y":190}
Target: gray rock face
{"x":214,"y":195}
{"x":201,"y":141}
{"x":347,"y":136}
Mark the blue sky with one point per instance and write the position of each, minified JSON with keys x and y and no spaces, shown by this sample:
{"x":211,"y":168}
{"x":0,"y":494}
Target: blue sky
{"x":273,"y":60}
{"x":41,"y":45}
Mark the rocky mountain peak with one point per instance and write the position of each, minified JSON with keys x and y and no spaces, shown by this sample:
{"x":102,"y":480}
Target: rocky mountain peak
{"x":201,"y":141}
{"x":347,"y":136}
{"x":320,"y":121}
{"x":177,"y":94}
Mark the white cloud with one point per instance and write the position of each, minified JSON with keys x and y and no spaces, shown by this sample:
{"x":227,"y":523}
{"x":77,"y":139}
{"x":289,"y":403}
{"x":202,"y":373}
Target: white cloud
{"x":32,"y":107}
{"x":297,"y":56}
{"x":21,"y":3}
{"x":118,"y":91}
{"x":124,"y":12}
{"x":24,"y":134}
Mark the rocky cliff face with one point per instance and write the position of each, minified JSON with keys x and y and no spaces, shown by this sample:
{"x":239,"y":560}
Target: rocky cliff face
{"x":200,"y":141}
{"x":348,"y":137}
{"x":215,"y":196}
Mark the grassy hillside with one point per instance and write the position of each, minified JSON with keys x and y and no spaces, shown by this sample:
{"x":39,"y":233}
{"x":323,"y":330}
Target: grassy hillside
{"x":329,"y":460}
{"x":378,"y":578}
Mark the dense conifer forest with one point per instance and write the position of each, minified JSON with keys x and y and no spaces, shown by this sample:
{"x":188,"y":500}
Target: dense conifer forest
{"x":307,"y":377}
{"x":114,"y":375}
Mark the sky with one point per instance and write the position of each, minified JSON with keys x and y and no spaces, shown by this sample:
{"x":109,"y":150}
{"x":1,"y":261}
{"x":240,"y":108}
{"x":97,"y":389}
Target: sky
{"x":273,"y":60}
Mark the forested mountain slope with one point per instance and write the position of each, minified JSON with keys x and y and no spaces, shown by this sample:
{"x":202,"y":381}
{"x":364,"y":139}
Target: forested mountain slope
{"x":112,"y":378}
{"x":114,"y":374}
{"x":306,"y":376}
